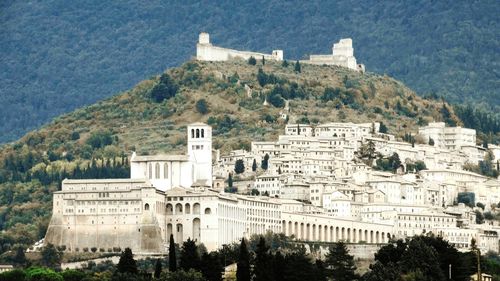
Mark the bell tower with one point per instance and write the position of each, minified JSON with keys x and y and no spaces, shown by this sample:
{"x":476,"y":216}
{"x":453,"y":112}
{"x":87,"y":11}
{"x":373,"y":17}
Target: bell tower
{"x":200,"y":151}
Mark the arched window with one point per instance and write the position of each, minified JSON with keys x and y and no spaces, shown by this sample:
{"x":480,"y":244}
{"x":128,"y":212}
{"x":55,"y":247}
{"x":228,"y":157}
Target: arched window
{"x":187,"y":208}
{"x":197,"y":133}
{"x":157,"y":170}
{"x":165,"y":171}
{"x":178,"y":209}
{"x":169,"y":209}
{"x":208,"y":211}
{"x":150,"y":168}
{"x":146,"y":207}
{"x":196,"y":208}
{"x":192,"y":133}
{"x":202,"y":133}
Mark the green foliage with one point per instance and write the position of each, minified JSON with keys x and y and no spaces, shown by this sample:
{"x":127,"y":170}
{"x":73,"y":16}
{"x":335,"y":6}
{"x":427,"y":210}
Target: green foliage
{"x":211,"y":266}
{"x":181,"y":275}
{"x":389,"y":164}
{"x":339,"y":264}
{"x":297,"y":67}
{"x":42,"y":274}
{"x":127,"y":264}
{"x":190,"y":257}
{"x":158,"y":269}
{"x":468,"y":198}
{"x":265,"y":162}
{"x":73,"y":275}
{"x":13,"y":275}
{"x":262,"y":270}
{"x":165,"y":89}
{"x":202,"y":106}
{"x":254,"y":165}
{"x":51,"y":257}
{"x":243,"y":267}
{"x":239,"y":166}
{"x":172,"y":257}
{"x":383,"y":128}
{"x":100,"y":139}
{"x":252,"y":61}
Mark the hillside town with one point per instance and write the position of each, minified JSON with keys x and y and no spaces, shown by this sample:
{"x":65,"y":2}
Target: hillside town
{"x":330,"y":182}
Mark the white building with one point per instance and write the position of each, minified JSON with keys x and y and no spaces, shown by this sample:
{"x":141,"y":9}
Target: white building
{"x":448,"y":137}
{"x":342,"y":55}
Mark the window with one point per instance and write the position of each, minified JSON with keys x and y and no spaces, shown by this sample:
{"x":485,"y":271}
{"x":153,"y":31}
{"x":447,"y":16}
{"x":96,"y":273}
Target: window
{"x":192,"y":133}
{"x":197,"y":133}
{"x":165,"y":171}
{"x":157,"y":170}
{"x":146,"y":207}
{"x":202,"y":133}
{"x":150,"y":168}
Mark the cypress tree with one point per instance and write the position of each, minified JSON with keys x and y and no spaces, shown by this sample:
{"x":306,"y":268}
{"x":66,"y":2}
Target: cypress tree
{"x":298,"y":67}
{"x":127,"y":263}
{"x":172,"y":259}
{"x":158,"y":269}
{"x":230,"y":180}
{"x":243,"y":270}
{"x":263,"y":270}
{"x":254,"y":165}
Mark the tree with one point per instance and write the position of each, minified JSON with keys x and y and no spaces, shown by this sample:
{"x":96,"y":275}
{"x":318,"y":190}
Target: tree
{"x":181,"y":275}
{"x":19,"y":258}
{"x":243,"y":266}
{"x":127,"y":264}
{"x":202,"y":106}
{"x":73,"y":275}
{"x":158,"y":268}
{"x":383,"y":128}
{"x":252,"y":61}
{"x":431,"y":141}
{"x":297,"y":67}
{"x":254,"y":165}
{"x":51,"y":257}
{"x":263,"y":61}
{"x":265,"y":162}
{"x":340,"y":265}
{"x":421,"y":259}
{"x":381,"y":272}
{"x":230,"y":180}
{"x":479,"y":217}
{"x":284,"y":63}
{"x":395,"y":161}
{"x":263,"y":270}
{"x":190,"y":258}
{"x":172,"y":259}
{"x":166,"y":88}
{"x":239,"y":166}
{"x":211,"y":266}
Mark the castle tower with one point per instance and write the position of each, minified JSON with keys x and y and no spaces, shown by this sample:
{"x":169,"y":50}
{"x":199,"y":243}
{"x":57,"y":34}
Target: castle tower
{"x":204,"y":38}
{"x":200,"y":151}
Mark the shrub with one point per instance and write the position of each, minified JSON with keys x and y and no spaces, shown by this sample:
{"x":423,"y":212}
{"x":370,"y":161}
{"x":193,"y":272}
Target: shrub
{"x":165,"y":89}
{"x":202,"y":106}
{"x":252,"y":61}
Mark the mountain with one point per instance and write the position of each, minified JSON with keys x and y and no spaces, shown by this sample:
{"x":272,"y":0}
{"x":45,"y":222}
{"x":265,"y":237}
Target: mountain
{"x":57,"y":56}
{"x":95,"y":141}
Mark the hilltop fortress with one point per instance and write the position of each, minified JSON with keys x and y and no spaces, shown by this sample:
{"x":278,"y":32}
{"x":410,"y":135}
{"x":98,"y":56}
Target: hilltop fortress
{"x":342,"y":54}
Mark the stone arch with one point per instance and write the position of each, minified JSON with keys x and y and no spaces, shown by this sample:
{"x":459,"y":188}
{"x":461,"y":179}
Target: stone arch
{"x":289,"y":229}
{"x":187,"y":208}
{"x":302,"y":230}
{"x":348,"y":235}
{"x":360,"y":235}
{"x":331,"y":235}
{"x":366,"y":236}
{"x":146,"y":207}
{"x":308,"y":232}
{"x":178,"y":208}
{"x":337,"y":234}
{"x":314,"y":235}
{"x":169,"y":230}
{"x":296,"y":230}
{"x":196,"y":208}
{"x":371,"y":236}
{"x":208,"y":211}
{"x":354,"y":236}
{"x":342,"y":237}
{"x":196,"y":229}
{"x":169,"y":209}
{"x":179,"y":237}
{"x":377,"y":237}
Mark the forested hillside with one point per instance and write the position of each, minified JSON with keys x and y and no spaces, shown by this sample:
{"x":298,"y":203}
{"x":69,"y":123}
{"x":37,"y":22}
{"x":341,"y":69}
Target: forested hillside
{"x":56,"y":56}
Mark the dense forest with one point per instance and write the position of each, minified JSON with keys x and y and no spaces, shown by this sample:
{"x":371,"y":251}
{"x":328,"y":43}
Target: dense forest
{"x":56,"y":57}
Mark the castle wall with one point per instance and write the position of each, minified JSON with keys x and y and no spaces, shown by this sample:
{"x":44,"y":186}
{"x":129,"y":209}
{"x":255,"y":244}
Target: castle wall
{"x":208,"y":52}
